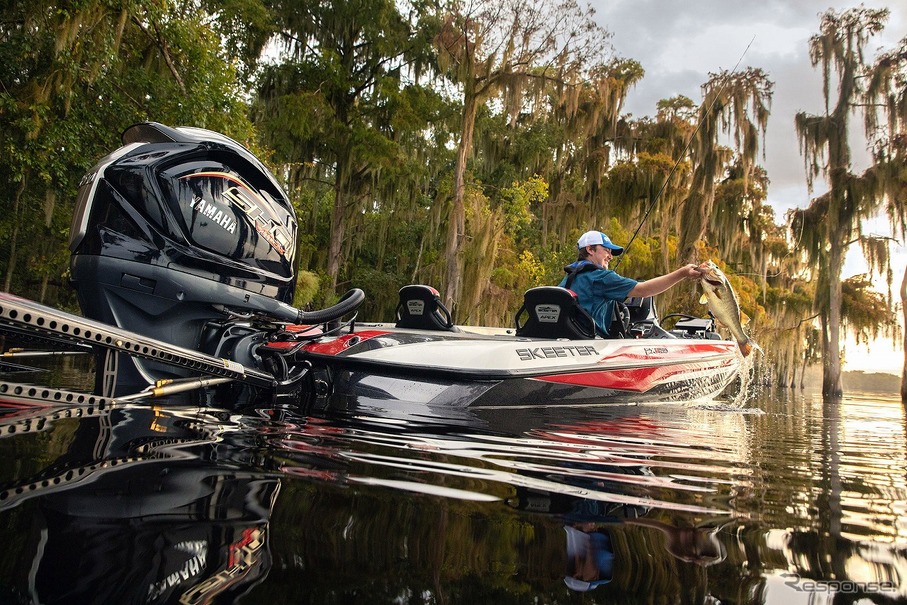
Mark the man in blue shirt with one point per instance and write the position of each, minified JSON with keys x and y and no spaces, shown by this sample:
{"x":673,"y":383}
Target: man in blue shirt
{"x":597,"y":287}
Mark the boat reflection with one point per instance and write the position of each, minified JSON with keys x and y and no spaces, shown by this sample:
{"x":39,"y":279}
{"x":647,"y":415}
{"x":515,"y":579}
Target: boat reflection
{"x":586,"y":493}
{"x":130,"y":509}
{"x":171,"y":503}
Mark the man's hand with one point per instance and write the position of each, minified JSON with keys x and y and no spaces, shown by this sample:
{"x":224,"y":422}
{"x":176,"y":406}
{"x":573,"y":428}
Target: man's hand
{"x":692,"y":271}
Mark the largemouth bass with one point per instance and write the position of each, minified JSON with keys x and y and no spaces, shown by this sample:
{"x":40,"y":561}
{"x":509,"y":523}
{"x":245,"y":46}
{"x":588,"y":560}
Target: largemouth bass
{"x":718,"y":294}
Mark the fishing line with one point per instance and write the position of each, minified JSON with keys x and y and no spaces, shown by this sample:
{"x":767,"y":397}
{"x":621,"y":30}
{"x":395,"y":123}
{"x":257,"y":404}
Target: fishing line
{"x":686,"y":149}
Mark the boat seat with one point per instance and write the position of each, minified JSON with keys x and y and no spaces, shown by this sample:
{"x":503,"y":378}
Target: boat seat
{"x":553,"y":312}
{"x":644,"y":318}
{"x":420,"y":307}
{"x":642,"y":309}
{"x":620,"y":321}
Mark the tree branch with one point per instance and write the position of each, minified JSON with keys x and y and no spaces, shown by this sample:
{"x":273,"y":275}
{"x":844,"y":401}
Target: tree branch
{"x":800,"y":323}
{"x":162,"y":45}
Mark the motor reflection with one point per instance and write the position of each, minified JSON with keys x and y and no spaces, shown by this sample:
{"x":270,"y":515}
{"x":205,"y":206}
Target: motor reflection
{"x":134,"y":507}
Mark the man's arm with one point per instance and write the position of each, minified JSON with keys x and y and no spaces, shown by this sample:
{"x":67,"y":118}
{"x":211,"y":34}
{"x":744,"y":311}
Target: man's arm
{"x":659,"y":284}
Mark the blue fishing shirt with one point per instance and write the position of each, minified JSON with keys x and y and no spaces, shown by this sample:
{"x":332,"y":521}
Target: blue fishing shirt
{"x":597,"y":289}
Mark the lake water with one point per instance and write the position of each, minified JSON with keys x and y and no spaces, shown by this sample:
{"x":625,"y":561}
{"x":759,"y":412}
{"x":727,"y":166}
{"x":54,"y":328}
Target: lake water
{"x":784,"y":499}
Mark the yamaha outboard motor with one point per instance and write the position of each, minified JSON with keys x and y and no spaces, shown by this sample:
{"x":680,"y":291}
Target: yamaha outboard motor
{"x":176,"y":235}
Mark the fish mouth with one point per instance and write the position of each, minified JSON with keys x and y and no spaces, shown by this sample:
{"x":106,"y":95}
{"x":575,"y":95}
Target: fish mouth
{"x":712,"y":279}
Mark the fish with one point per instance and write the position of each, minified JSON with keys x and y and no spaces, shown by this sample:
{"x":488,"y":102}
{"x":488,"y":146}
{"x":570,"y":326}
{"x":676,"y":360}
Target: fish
{"x":718,"y":294}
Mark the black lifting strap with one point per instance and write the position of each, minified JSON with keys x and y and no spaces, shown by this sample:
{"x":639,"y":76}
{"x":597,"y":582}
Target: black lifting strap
{"x":572,"y":273}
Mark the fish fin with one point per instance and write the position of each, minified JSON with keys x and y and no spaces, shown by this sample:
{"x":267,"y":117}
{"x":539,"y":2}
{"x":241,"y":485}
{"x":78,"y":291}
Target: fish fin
{"x":703,"y":300}
{"x":744,"y":319}
{"x":746,"y":347}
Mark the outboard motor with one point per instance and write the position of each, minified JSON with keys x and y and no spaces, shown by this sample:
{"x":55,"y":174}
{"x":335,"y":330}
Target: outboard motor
{"x":176,"y":235}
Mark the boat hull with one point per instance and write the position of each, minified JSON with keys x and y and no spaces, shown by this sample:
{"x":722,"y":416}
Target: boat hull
{"x":488,"y":369}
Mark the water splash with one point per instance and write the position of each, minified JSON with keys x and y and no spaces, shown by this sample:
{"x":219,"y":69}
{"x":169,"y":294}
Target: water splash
{"x":750,"y":383}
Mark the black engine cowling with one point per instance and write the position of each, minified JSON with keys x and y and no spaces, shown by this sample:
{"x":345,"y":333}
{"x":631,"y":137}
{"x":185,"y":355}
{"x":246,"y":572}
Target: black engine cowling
{"x":174,"y":228}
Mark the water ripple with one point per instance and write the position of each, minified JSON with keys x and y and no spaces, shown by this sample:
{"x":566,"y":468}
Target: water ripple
{"x":643,"y":461}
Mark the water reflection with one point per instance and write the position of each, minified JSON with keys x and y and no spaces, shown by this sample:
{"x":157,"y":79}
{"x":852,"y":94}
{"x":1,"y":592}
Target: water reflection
{"x":119,"y":504}
{"x":782,"y":501}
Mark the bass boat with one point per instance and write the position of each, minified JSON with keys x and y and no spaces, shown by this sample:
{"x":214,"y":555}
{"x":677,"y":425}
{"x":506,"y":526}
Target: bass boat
{"x":547,"y":360}
{"x":184,"y":262}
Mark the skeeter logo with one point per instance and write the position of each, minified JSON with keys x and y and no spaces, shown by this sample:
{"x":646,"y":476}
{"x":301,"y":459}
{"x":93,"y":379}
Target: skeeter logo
{"x":249,"y":202}
{"x":555,"y":352}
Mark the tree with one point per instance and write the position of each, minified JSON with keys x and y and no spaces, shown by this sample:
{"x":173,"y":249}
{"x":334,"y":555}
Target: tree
{"x":72,"y":78}
{"x":323,"y":106}
{"x":832,"y":221}
{"x":587,"y":125}
{"x":736,"y":103}
{"x":511,"y":48}
{"x":887,"y":94}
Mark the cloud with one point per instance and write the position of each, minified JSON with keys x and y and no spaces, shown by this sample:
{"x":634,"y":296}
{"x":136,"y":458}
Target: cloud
{"x":680,"y":43}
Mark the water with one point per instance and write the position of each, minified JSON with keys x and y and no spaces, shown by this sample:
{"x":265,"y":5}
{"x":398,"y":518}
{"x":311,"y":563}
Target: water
{"x":784,"y":499}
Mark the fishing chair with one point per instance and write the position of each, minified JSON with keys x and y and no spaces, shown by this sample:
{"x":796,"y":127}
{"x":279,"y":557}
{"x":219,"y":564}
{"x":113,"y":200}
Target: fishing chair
{"x":642,"y":309}
{"x":420,"y":307}
{"x":553,"y":312}
{"x":644,"y":318}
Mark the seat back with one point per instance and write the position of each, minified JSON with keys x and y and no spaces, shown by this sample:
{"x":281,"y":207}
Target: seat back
{"x":642,"y":309}
{"x":553,"y":312}
{"x":420,"y":307}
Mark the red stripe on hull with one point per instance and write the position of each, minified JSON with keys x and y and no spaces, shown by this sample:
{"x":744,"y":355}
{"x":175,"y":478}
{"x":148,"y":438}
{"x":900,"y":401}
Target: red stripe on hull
{"x":640,"y":350}
{"x":339,"y":345}
{"x":638,"y":380}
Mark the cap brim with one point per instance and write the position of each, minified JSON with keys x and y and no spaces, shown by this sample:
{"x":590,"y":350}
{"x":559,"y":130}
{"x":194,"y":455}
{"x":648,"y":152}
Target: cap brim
{"x":581,"y":585}
{"x":615,"y":250}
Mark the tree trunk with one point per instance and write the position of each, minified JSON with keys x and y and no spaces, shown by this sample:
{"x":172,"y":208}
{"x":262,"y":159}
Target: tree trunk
{"x":456,"y":225}
{"x":14,"y":236}
{"x":839,"y":222}
{"x":904,"y":312}
{"x":338,"y":219}
{"x":831,"y":354}
{"x":50,"y":202}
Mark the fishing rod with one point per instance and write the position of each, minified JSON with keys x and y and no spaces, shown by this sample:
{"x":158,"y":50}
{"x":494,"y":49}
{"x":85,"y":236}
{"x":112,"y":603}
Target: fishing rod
{"x":686,"y":149}
{"x":164,"y":388}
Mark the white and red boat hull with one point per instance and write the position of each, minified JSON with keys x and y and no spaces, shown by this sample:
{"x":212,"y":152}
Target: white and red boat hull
{"x":496,"y":368}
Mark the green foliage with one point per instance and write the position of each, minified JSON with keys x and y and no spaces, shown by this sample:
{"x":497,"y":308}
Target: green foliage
{"x":336,"y":109}
{"x":866,"y":312}
{"x":382,"y":293}
{"x":307,"y":287}
{"x":72,"y":80}
{"x":517,"y":203}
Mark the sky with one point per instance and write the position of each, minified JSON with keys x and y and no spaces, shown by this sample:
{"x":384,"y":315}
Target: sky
{"x":680,"y":43}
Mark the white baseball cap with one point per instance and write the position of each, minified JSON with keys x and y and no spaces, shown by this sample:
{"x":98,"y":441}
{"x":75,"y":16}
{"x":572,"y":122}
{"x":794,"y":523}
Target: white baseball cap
{"x":597,"y":238}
